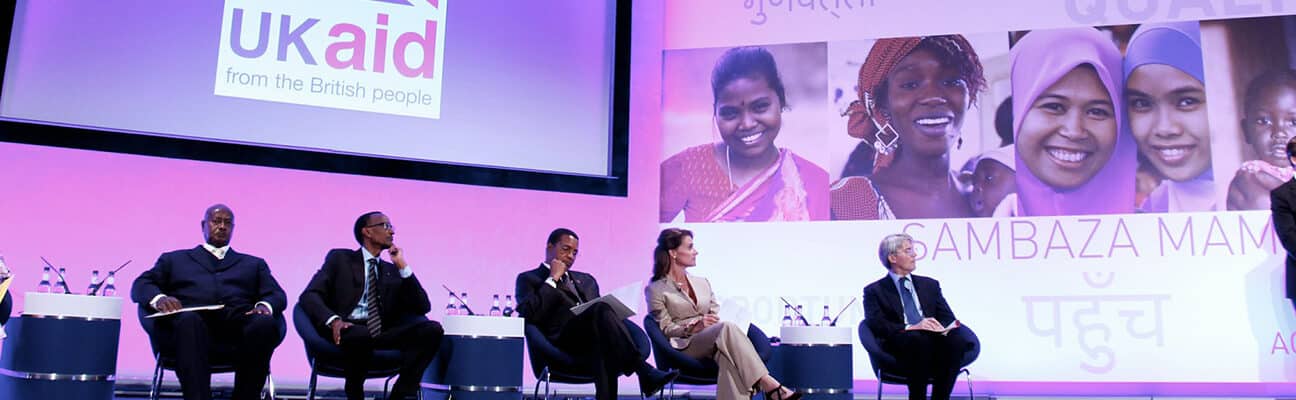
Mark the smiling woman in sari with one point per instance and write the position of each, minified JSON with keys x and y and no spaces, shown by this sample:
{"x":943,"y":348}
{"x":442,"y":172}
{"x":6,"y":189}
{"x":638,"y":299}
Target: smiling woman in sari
{"x":744,"y":177}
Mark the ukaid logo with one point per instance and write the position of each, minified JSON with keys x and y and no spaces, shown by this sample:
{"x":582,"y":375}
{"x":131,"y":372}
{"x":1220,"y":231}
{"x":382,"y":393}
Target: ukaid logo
{"x":380,"y":56}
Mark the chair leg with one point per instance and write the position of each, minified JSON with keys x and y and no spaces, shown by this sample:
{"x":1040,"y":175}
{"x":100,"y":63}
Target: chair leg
{"x":878,"y":374}
{"x":387,"y":386}
{"x":156,"y":387}
{"x":546,"y":383}
{"x":969,"y":381}
{"x":310,"y":387}
{"x":270,"y":389}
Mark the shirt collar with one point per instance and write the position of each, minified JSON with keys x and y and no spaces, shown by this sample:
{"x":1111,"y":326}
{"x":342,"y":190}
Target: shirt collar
{"x":365,"y":253}
{"x":896,"y":278}
{"x":219,"y":252}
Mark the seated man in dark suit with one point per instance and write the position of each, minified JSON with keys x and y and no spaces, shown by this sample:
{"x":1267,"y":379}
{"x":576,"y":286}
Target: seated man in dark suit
{"x":546,"y":295}
{"x":364,"y":303}
{"x":908,"y":315}
{"x":211,"y":274}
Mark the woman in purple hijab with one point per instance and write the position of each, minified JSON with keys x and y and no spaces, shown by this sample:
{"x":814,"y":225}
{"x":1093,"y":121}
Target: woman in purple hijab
{"x":1166,"y":105}
{"x":1073,"y":157}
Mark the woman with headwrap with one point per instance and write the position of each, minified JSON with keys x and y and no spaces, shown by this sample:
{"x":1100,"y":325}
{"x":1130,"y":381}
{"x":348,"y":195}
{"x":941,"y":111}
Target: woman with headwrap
{"x":1166,"y":102}
{"x":1072,"y":158}
{"x":744,"y":177}
{"x":913,"y":93}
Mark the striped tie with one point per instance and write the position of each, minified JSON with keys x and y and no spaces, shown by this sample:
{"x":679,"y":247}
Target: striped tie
{"x":371,"y":299}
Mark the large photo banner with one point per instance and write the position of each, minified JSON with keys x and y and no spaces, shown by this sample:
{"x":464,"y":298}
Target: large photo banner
{"x":1090,"y":184}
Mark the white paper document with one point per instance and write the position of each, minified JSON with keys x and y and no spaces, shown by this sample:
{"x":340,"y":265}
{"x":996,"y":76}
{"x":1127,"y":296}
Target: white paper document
{"x":618,"y":298}
{"x":194,"y":308}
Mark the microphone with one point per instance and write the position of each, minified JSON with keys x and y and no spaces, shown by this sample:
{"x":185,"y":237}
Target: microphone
{"x":839,"y":313}
{"x":95,"y":289}
{"x":60,"y":275}
{"x":798,"y":313}
{"x":456,"y":297}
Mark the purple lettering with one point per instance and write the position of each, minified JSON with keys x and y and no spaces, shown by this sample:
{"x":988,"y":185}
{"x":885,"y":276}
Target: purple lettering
{"x":380,"y":45}
{"x":1210,"y":235}
{"x":993,"y":239}
{"x":356,"y":46}
{"x":294,"y":38}
{"x":1266,"y":232}
{"x":940,"y":238}
{"x":1055,"y":233}
{"x":1186,"y":232}
{"x":236,"y":35}
{"x":427,"y":42}
{"x":920,"y":248}
{"x":1129,"y":241}
{"x":1029,"y":239}
{"x":1093,"y":230}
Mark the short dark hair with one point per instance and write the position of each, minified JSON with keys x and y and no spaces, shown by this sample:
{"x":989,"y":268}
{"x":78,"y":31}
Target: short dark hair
{"x":361,"y":223}
{"x":557,"y":235}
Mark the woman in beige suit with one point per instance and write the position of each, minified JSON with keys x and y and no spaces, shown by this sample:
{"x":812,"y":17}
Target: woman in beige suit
{"x":687,"y":312}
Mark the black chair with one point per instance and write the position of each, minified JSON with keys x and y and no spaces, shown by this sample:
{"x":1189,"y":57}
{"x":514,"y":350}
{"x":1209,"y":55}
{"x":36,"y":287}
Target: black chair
{"x":551,"y":364}
{"x":6,"y":307}
{"x":219,"y":356}
{"x":694,"y":371}
{"x":326,"y":358}
{"x":886,"y":368}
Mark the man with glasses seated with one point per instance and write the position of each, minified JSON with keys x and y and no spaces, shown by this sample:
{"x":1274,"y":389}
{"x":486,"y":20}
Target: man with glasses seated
{"x":214,"y":274}
{"x":362,"y":303}
{"x":911,"y":320}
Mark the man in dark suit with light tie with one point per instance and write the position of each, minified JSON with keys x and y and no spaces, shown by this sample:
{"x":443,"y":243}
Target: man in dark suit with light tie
{"x":363,"y":303}
{"x":597,"y":337}
{"x":212,"y":274}
{"x":1282,"y":201}
{"x":908,"y":315}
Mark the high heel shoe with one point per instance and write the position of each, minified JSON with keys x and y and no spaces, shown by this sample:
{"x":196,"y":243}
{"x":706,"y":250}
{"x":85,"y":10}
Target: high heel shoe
{"x":770,"y":395}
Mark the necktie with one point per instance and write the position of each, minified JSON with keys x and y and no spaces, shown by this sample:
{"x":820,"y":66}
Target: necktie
{"x":371,"y":299}
{"x":907,"y":301}
{"x":571,"y":287}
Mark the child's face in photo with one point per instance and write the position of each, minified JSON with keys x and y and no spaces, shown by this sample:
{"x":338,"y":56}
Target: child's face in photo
{"x":1270,"y":121}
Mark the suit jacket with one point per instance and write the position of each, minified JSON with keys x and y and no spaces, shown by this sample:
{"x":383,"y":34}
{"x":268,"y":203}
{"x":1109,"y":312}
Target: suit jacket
{"x":197,"y":278}
{"x":547,"y":307}
{"x":337,"y":286}
{"x":884,"y":313}
{"x":1282,"y":201}
{"x":675,"y":310}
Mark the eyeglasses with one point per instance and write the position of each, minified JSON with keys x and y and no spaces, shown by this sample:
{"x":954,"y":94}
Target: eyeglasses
{"x":385,"y":225}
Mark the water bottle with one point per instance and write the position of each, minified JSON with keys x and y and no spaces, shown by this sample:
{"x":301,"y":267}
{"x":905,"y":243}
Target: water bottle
{"x":44,"y":286}
{"x":463,"y":307}
{"x":94,"y":281}
{"x":508,"y":305}
{"x":451,"y":308}
{"x":787,"y":315}
{"x":801,"y":321}
{"x":61,"y":286}
{"x":495,"y":308}
{"x":826,"y":321}
{"x":110,"y":285}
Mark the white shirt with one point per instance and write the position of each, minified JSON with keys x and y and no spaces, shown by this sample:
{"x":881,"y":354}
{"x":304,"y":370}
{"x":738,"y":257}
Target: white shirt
{"x":913,"y":293}
{"x":219,"y":252}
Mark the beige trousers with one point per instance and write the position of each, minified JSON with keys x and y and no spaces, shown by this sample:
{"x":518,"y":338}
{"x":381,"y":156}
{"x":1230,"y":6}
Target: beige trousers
{"x":740,"y":366}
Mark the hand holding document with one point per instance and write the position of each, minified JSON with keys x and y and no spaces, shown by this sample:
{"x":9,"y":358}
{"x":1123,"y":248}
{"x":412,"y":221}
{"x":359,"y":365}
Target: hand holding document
{"x":185,"y":309}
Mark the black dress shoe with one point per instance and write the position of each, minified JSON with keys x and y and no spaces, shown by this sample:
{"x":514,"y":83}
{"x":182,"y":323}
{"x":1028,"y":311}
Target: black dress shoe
{"x":653,"y":382}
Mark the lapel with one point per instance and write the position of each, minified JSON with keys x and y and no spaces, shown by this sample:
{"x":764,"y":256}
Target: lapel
{"x":231,"y":259}
{"x":355,"y":263}
{"x":697,"y":306}
{"x":892,"y":295}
